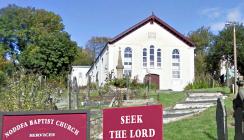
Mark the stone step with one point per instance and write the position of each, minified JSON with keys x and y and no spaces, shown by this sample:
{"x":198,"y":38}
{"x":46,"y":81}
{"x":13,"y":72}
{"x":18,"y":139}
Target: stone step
{"x":181,"y":111}
{"x":218,"y":94}
{"x":180,"y":116}
{"x":192,"y":105}
{"x":173,"y":119}
{"x":204,"y":98}
{"x":201,"y":101}
{"x":175,"y":115}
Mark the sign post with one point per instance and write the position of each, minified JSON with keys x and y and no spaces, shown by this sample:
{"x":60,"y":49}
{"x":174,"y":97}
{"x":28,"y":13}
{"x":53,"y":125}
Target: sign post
{"x":55,"y":125}
{"x":145,"y":122}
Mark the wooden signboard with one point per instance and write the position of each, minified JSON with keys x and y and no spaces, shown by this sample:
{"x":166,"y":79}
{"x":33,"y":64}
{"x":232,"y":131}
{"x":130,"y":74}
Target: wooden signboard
{"x":58,"y":125}
{"x":137,"y":123}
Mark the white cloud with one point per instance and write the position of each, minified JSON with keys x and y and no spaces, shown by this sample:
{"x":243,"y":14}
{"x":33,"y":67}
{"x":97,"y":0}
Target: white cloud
{"x":211,"y":13}
{"x":234,"y":15}
{"x":217,"y":26}
{"x":220,"y":18}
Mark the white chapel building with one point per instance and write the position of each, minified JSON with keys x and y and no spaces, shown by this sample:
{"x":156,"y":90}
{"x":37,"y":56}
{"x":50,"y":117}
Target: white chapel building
{"x":151,"y":49}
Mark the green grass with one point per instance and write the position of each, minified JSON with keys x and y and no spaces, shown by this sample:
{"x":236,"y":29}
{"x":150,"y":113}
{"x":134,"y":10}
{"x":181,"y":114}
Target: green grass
{"x":199,"y":127}
{"x":168,"y":99}
{"x":224,"y":90}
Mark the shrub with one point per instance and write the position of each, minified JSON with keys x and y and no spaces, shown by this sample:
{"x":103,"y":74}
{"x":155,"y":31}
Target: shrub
{"x":203,"y":81}
{"x":133,"y":84}
{"x":122,"y":83}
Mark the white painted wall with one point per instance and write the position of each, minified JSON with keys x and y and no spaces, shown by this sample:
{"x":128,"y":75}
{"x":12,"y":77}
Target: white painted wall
{"x":138,"y":40}
{"x":80,"y":73}
{"x":100,"y":69}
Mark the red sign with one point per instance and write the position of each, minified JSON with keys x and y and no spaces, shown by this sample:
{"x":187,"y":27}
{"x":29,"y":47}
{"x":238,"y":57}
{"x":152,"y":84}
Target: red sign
{"x":45,"y":127}
{"x":137,"y":123}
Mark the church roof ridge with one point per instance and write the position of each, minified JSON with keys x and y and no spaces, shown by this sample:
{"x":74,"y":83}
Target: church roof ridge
{"x":152,"y":18}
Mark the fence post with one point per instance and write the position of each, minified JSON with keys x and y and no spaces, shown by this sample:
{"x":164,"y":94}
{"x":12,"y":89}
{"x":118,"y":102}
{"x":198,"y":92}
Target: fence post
{"x":238,"y":105}
{"x":238,"y":124}
{"x":69,"y":92}
{"x":221,"y":120}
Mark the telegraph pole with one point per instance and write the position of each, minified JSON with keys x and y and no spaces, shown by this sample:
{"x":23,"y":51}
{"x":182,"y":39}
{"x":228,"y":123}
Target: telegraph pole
{"x":235,"y":58}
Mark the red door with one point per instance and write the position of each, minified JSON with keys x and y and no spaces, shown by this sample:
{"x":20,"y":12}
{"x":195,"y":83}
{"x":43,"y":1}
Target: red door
{"x":152,"y":78}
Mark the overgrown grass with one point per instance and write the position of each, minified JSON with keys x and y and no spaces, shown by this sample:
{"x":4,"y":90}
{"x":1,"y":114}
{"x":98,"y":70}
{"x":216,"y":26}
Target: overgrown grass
{"x":203,"y":81}
{"x":199,"y":127}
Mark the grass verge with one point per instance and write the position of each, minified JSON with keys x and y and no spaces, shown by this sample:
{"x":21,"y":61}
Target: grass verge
{"x":199,"y":127}
{"x":168,"y":99}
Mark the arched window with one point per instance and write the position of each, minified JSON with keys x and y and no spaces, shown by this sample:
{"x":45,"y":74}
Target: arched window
{"x":151,"y":56}
{"x":127,"y":61}
{"x":175,"y":54}
{"x":128,"y":52}
{"x":159,"y":58}
{"x":176,"y":63}
{"x":144,"y":57}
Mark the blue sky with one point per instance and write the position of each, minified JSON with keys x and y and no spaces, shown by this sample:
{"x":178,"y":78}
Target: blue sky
{"x":86,"y":18}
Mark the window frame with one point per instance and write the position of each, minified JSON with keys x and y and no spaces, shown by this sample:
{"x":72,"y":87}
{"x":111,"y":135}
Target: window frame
{"x":152,"y":56}
{"x":176,"y":70}
{"x":144,"y":57}
{"x":159,"y":58}
{"x":127,"y":61}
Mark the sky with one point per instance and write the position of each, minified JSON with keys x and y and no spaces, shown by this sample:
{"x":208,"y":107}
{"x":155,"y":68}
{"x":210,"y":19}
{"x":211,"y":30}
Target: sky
{"x":86,"y":18}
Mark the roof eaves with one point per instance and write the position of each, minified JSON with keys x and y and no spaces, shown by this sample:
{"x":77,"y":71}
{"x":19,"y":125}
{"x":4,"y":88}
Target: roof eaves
{"x":173,"y":31}
{"x":105,"y":46}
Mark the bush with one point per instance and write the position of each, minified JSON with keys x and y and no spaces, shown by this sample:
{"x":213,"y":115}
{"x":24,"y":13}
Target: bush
{"x":203,"y":81}
{"x":121,"y":83}
{"x":133,"y":84}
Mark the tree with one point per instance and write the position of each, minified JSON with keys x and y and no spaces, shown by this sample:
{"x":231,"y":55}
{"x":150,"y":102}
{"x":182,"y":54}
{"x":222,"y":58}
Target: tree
{"x":223,"y":48}
{"x":52,"y":54}
{"x":35,"y":39}
{"x":203,"y":39}
{"x":83,"y":57}
{"x":96,"y":44}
